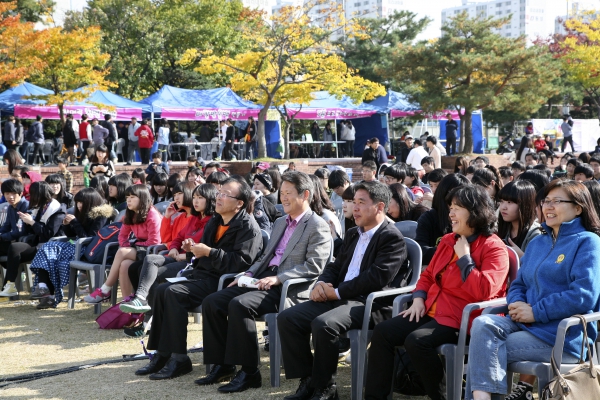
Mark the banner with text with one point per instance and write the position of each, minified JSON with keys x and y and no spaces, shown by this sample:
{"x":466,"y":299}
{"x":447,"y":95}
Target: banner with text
{"x":330,"y":113}
{"x":207,"y":114}
{"x":51,"y":112}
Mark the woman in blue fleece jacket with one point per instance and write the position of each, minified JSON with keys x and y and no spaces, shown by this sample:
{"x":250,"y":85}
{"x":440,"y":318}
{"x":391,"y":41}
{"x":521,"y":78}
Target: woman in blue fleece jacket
{"x":559,"y":277}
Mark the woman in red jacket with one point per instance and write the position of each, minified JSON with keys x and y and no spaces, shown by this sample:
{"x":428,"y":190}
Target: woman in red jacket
{"x":469,"y":265}
{"x":146,"y":140}
{"x":143,"y":221}
{"x":157,"y":268}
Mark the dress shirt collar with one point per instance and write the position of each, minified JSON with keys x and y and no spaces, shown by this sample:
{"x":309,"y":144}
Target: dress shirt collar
{"x":370,"y":232}
{"x":296,"y":220}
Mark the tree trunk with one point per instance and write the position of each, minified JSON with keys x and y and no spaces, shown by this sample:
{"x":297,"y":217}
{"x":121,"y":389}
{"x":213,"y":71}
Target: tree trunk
{"x":468,"y":132}
{"x":461,"y":140}
{"x":286,"y":138}
{"x":260,"y":129}
{"x":549,"y":110}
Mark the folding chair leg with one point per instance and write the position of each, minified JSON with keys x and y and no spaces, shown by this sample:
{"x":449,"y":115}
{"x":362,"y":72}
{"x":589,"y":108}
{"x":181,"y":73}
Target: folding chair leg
{"x":98,"y":281}
{"x":356,"y":364}
{"x":274,"y":349}
{"x":197,"y":318}
{"x":72,"y":288}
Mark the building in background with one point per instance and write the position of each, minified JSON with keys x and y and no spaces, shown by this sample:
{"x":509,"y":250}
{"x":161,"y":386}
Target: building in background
{"x":532,"y":18}
{"x":575,"y":10}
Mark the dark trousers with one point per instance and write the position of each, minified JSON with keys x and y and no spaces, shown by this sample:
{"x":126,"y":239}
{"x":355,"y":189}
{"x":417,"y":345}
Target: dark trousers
{"x":145,"y":156}
{"x":17,"y":253}
{"x":229,"y":326}
{"x":567,"y":139}
{"x":170,"y":310}
{"x":44,"y":277}
{"x":326,"y":321}
{"x":450,"y":145}
{"x":349,"y":148}
{"x":420,"y":339}
{"x":230,"y":152}
{"x":38,"y":152}
{"x":9,"y":145}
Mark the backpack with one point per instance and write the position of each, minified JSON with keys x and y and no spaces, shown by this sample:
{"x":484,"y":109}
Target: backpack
{"x":94,"y":251}
{"x":407,"y":381}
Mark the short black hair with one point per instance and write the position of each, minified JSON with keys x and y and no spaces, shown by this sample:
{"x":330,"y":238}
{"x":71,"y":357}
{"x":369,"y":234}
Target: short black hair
{"x":187,"y":188}
{"x":193,"y":158}
{"x":428,"y":160}
{"x":431,"y":139}
{"x":245,"y":190}
{"x":518,"y":165}
{"x":484,"y":159}
{"x":575,"y":161}
{"x":61,"y":160}
{"x":595,"y":159}
{"x":301,"y":182}
{"x":58,"y":178}
{"x":370,"y":165}
{"x":156,"y":154}
{"x":378,"y":192}
{"x":12,"y":186}
{"x":532,"y":155}
{"x":417,"y":142}
{"x":396,"y":171}
{"x":482,"y":210}
{"x":121,"y":182}
{"x":349,"y":193}
{"x":40,"y":194}
{"x":322,"y":173}
{"x":338,"y":178}
{"x":217,"y":177}
{"x":505,"y":172}
{"x":584,"y":169}
{"x":436,"y":175}
{"x":537,"y":178}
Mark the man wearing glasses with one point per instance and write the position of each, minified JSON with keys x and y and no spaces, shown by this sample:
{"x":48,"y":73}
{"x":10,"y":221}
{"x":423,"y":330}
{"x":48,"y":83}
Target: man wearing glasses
{"x":299,"y":247}
{"x":231,"y":242}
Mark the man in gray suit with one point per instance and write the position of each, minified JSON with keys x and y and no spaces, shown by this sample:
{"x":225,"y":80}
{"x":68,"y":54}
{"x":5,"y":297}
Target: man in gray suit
{"x":299,"y":247}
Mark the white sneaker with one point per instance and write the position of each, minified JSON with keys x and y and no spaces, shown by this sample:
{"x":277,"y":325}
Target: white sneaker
{"x":9,"y":290}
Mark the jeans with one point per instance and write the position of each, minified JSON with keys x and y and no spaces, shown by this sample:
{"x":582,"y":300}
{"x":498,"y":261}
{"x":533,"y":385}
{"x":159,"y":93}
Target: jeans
{"x":133,"y":146}
{"x":38,"y":152}
{"x":497,"y":341}
{"x":221,"y":148}
{"x":254,"y":147}
{"x":164,"y":151}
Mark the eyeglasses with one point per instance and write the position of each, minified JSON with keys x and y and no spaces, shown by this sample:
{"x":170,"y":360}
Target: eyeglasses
{"x":222,"y":195}
{"x":555,"y":202}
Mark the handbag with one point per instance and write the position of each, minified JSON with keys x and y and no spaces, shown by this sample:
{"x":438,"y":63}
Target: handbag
{"x":247,"y":138}
{"x":114,"y":318}
{"x":582,"y":382}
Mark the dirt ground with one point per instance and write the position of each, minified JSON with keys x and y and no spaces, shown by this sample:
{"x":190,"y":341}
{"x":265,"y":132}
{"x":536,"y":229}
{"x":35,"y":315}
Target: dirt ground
{"x":44,"y":340}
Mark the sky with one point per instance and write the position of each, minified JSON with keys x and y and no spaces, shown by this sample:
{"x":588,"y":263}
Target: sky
{"x":65,"y":5}
{"x":433,"y":10}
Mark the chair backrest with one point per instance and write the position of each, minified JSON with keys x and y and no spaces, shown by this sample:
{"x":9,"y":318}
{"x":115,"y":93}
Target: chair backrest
{"x":71,"y":210}
{"x":162,"y":206}
{"x":120,"y":216}
{"x":339,"y":212}
{"x":3,"y":211}
{"x":513,"y":264}
{"x":279,"y":208}
{"x":265,"y":238}
{"x":407,"y":228}
{"x":415,"y":258}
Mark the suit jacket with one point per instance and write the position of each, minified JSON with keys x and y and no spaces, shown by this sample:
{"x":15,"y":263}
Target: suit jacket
{"x":383,"y":261}
{"x":305,"y":256}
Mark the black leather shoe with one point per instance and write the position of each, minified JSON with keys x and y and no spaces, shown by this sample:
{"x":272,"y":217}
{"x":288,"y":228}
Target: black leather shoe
{"x":328,"y":393}
{"x":241,"y":382}
{"x":173,"y":369}
{"x":218,"y":373}
{"x":155,"y":365}
{"x":304,"y":391}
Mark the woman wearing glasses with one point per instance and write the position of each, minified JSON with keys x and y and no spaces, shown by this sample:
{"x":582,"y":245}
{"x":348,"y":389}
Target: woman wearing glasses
{"x":559,"y":277}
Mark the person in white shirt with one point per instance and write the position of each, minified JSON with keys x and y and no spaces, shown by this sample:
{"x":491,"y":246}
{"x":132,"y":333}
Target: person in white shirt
{"x":416,"y":155}
{"x":133,"y":145}
{"x":434,"y":151}
{"x":222,"y":136}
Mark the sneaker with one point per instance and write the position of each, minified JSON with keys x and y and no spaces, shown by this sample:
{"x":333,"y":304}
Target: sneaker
{"x":46,"y":302}
{"x":9,"y":290}
{"x":521,"y":391}
{"x":134,"y":330}
{"x":96,"y":297}
{"x":135,"y":305}
{"x":39,"y":293}
{"x":128,"y":163}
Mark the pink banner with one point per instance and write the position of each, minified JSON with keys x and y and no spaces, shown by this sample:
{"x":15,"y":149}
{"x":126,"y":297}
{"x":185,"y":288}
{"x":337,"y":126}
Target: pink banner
{"x":208,"y":114}
{"x":330,"y":113}
{"x":430,"y":115}
{"x":51,"y":112}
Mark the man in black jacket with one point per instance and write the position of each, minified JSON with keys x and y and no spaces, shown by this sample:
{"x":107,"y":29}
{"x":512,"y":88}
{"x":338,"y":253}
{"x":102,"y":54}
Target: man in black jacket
{"x":112,"y":136}
{"x":372,"y":256}
{"x":451,"y":128}
{"x":231,"y":243}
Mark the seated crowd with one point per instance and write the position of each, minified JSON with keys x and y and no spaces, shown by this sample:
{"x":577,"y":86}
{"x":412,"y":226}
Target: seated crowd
{"x":341,"y":239}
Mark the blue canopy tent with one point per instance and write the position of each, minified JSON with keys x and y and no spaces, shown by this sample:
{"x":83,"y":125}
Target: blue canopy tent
{"x":326,"y":106}
{"x":17,"y":94}
{"x":113,"y":100}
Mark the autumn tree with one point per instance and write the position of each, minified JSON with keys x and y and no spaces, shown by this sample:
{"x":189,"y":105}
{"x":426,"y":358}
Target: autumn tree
{"x":289,"y":57}
{"x":367,"y":54}
{"x":473,"y":68}
{"x":21,"y":46}
{"x":32,"y":10}
{"x":146,"y":38}
{"x":72,"y":60}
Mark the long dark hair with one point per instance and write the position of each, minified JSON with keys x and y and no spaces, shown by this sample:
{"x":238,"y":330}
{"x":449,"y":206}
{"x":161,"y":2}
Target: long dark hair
{"x":160,"y":179}
{"x":40,"y":194}
{"x":57,"y":178}
{"x":320,"y":200}
{"x":525,"y":143}
{"x":581,"y":196}
{"x":461,"y":164}
{"x":12,"y":158}
{"x":187,"y":188}
{"x":594,"y":187}
{"x":139,"y":216}
{"x":439,"y":203}
{"x":101,"y":148}
{"x":121,"y":182}
{"x":100,"y":184}
{"x":486,"y":177}
{"x":209,"y":192}
{"x":523,"y":194}
{"x":407,"y":207}
{"x":139,"y":174}
{"x":89,"y":198}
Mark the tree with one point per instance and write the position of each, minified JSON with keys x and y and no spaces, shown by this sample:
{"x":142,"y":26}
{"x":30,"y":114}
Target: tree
{"x":579,"y":51}
{"x":146,"y":38}
{"x":369,"y":54}
{"x":472,"y":68}
{"x":20,"y":47}
{"x":33,"y":10}
{"x":72,"y":60}
{"x":289,"y":58}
